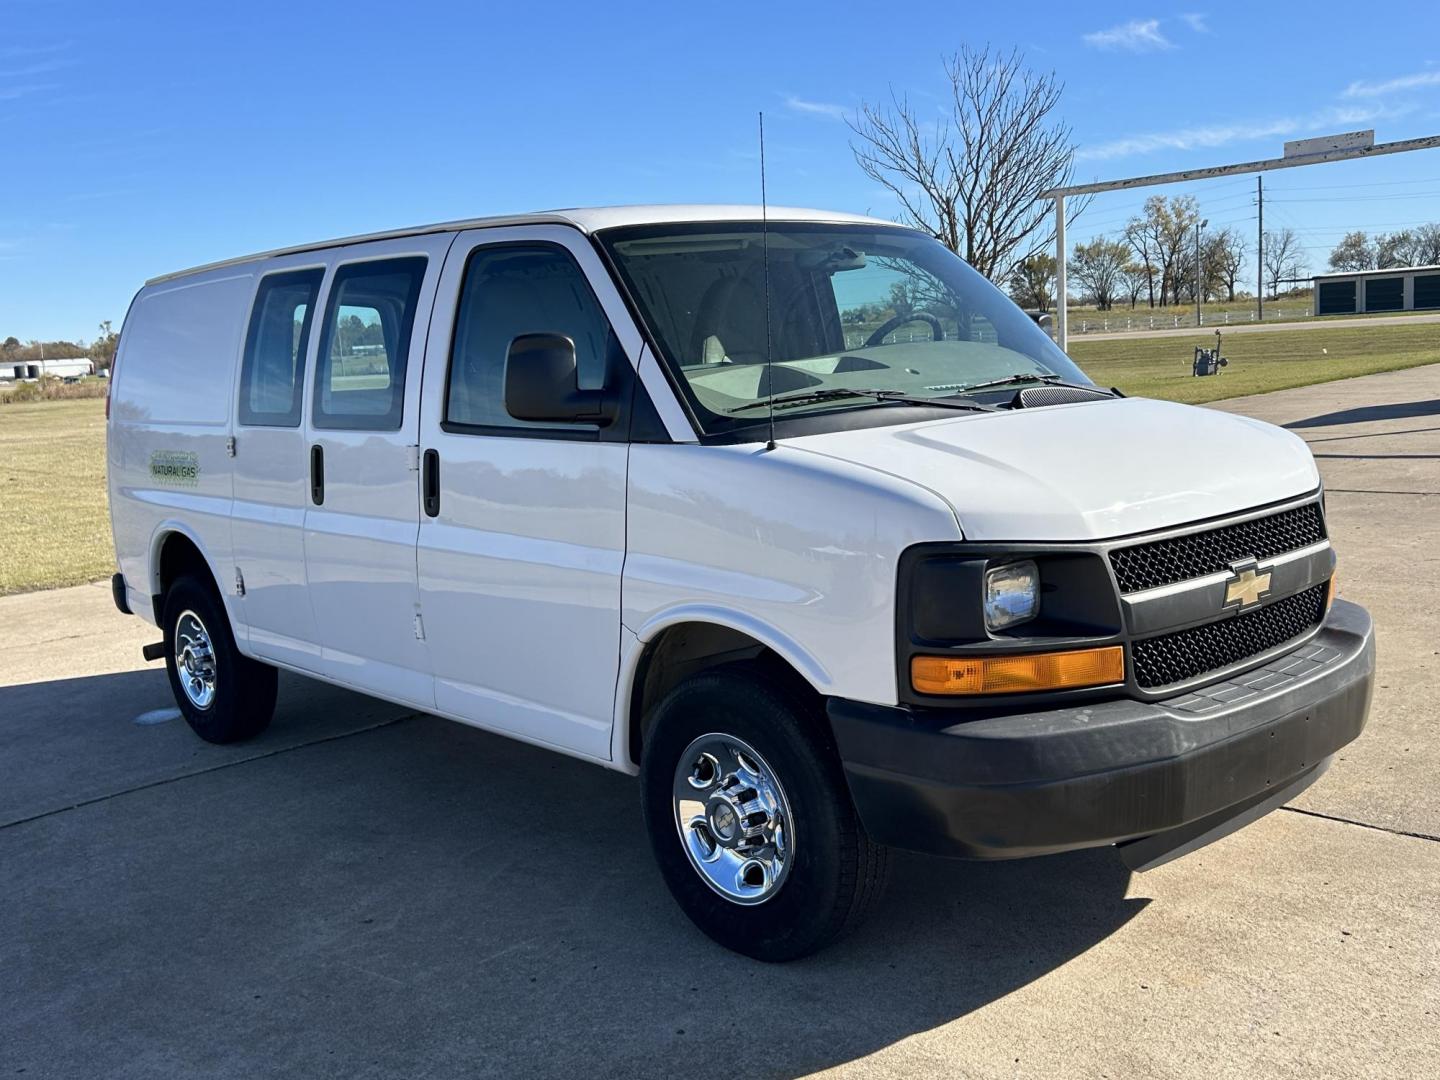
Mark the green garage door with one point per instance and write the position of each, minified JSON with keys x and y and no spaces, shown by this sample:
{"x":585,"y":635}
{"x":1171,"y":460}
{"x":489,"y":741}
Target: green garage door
{"x":1427,"y":290}
{"x":1335,"y":297}
{"x":1385,"y":294}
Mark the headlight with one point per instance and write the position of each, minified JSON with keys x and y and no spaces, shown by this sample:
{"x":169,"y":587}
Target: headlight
{"x":1012,"y":594}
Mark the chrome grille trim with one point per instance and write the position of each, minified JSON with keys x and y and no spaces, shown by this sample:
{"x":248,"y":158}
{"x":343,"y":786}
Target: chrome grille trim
{"x":1185,"y":554}
{"x":1202,"y":599}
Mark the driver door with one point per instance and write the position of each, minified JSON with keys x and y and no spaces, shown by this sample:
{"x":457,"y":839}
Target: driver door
{"x":522,"y":538}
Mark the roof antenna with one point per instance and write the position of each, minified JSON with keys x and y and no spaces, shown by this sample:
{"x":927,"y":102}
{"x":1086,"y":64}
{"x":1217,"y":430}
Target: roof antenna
{"x":765,"y":262}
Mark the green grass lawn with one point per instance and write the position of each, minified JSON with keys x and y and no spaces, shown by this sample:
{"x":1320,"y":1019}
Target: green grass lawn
{"x":1160,"y":367}
{"x":54,"y":528}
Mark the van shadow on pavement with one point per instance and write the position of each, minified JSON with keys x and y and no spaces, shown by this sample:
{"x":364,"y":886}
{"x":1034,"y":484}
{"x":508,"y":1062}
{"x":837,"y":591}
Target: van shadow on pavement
{"x":1365,"y":414}
{"x":426,"y":899}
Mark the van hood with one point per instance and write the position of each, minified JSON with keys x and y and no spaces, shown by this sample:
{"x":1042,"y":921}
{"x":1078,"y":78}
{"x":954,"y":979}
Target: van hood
{"x":1088,"y":471}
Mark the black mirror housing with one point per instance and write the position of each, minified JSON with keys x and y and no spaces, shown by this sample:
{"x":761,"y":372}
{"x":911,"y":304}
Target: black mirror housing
{"x":542,"y":384}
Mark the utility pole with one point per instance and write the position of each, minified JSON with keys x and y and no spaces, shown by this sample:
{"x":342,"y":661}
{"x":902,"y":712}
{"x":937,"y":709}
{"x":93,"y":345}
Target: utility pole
{"x":1199,"y":280}
{"x":1260,"y":250}
{"x":1062,"y":313}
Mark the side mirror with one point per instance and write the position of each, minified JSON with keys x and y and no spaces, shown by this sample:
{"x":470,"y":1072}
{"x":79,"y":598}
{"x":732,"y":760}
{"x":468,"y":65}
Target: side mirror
{"x":541,"y":383}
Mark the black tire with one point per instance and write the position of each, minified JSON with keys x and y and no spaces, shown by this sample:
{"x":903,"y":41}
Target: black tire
{"x":244,"y":690}
{"x":836,"y":874}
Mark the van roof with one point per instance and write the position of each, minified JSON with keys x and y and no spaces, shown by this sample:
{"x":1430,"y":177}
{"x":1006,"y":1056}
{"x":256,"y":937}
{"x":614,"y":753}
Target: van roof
{"x":586,"y":219}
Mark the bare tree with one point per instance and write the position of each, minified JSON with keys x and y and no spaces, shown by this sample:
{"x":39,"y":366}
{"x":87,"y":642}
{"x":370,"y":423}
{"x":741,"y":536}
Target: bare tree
{"x":972,"y":177}
{"x":1284,"y":257}
{"x":1141,"y":241}
{"x":1426,"y":251}
{"x":1394,"y":249}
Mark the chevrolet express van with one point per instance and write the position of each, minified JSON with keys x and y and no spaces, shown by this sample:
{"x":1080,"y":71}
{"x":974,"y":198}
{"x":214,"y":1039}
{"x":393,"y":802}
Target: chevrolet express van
{"x":799,"y":520}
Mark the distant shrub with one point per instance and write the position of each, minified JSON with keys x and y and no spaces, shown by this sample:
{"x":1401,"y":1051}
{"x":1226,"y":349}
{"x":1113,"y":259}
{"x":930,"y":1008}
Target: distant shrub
{"x":50,"y":388}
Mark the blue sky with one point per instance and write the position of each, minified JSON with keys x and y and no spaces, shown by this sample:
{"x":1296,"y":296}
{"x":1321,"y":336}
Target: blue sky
{"x":142,"y":138}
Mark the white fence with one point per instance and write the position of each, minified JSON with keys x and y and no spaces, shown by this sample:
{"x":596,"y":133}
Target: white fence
{"x":1117,"y":322}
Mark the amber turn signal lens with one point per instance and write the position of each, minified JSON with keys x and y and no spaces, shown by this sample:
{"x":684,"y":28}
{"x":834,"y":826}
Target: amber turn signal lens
{"x":1333,"y":591}
{"x":1022,"y":674}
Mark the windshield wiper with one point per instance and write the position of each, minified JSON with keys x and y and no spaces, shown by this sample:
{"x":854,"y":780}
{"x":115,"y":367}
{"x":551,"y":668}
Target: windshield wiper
{"x":834,"y":393}
{"x":1031,"y":376}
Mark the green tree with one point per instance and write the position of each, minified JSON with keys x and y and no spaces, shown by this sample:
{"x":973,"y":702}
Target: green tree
{"x":1225,"y":256}
{"x":1098,"y":268}
{"x":1164,"y":238}
{"x":1135,"y":278}
{"x":102,"y":349}
{"x":1032,"y":285}
{"x":1354,"y":252}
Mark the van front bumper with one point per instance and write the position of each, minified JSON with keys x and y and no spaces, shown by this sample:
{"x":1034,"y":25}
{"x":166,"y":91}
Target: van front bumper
{"x":1167,"y":775}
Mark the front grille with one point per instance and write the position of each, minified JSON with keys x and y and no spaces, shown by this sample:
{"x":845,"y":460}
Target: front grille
{"x":1180,"y":558}
{"x":1185,"y":654}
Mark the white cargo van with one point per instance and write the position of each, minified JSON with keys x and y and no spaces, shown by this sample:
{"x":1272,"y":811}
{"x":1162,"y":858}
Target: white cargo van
{"x":802,"y":521}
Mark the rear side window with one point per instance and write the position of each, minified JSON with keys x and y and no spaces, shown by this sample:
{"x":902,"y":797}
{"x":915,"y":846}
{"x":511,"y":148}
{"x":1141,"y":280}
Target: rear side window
{"x":516,"y":289}
{"x":360,"y":374}
{"x":270,"y":375}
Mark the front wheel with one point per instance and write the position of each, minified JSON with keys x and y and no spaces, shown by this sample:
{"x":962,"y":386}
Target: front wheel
{"x":750,"y":818}
{"x":223,"y":695}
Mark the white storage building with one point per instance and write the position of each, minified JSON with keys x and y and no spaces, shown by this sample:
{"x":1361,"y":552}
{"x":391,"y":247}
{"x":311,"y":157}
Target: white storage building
{"x":61,"y":367}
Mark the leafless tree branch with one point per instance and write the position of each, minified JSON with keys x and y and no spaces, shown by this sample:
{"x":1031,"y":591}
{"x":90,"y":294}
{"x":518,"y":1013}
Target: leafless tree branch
{"x":972,"y":175}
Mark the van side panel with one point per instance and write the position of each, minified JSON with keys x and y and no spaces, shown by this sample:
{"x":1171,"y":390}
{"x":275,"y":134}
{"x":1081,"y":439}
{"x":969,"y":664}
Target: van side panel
{"x":170,"y":410}
{"x":184,"y":337}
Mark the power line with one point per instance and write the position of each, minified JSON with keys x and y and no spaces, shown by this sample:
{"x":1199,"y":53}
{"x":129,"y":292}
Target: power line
{"x":1362,"y":198}
{"x":1346,"y":187}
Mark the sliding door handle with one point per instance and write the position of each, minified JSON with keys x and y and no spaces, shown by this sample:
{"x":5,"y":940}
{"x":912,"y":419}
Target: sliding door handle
{"x":317,"y":474}
{"x":430,"y":483}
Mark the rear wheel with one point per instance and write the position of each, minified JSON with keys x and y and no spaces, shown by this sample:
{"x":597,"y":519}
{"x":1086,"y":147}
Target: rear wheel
{"x":750,"y":817}
{"x":224,"y":696}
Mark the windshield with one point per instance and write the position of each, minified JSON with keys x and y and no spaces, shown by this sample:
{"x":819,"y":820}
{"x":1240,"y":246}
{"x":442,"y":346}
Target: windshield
{"x":851,"y":307}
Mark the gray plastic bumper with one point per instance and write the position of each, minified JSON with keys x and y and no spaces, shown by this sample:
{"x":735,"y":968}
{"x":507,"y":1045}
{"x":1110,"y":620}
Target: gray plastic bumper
{"x":1172,"y":774}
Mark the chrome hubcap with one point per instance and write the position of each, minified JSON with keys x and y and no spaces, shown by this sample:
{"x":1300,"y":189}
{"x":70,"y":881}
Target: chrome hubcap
{"x":195,"y":660}
{"x":733,"y":819}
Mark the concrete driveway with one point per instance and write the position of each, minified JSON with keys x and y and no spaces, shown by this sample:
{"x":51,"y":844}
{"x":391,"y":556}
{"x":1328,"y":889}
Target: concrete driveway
{"x":363,"y":892}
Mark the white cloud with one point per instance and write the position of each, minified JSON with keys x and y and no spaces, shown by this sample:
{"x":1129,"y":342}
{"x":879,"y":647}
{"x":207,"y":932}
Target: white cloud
{"x":11,"y":93}
{"x":1213,"y":135}
{"x":1196,"y":21}
{"x":1137,"y":35}
{"x":816,"y":108}
{"x":1363,"y":89}
{"x":26,"y":51}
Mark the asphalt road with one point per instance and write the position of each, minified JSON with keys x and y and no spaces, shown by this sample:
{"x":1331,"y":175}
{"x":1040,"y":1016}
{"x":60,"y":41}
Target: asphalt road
{"x":362,"y":892}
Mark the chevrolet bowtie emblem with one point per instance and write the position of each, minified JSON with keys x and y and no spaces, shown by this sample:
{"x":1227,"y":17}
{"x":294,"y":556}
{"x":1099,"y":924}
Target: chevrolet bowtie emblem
{"x":1248,"y":586}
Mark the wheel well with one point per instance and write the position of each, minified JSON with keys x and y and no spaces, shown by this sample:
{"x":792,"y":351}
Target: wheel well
{"x":679,"y":652}
{"x":180,"y":556}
